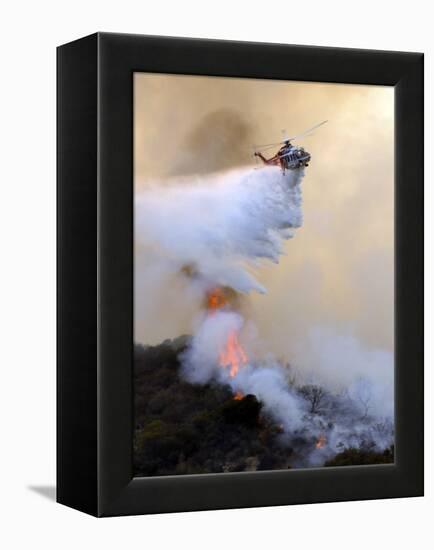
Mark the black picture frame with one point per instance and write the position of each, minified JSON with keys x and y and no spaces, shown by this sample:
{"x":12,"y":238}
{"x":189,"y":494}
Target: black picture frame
{"x":95,"y":274}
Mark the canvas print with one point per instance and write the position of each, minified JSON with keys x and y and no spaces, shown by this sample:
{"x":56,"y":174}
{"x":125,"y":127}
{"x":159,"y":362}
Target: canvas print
{"x":263,"y":275}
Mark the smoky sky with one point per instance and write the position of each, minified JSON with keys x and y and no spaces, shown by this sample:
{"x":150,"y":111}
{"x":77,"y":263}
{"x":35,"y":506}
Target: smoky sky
{"x":219,"y":141}
{"x":338,"y":270}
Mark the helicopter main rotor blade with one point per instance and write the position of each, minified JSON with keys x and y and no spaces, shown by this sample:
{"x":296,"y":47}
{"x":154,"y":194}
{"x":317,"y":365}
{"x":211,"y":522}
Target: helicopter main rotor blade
{"x":269,"y":145}
{"x":308,"y":130}
{"x":305,"y":133}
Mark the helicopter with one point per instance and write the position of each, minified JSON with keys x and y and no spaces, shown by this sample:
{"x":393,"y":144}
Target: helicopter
{"x":289,"y":156}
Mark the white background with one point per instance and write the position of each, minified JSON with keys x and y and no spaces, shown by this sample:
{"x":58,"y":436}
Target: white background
{"x":30,"y":31}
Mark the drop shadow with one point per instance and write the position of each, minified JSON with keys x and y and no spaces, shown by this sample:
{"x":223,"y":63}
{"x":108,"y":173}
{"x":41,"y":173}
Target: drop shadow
{"x":47,"y":491}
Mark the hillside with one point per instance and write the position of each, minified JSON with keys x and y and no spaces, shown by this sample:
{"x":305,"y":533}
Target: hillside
{"x":183,"y":428}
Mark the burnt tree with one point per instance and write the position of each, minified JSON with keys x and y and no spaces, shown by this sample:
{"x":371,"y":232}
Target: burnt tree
{"x":315,"y":395}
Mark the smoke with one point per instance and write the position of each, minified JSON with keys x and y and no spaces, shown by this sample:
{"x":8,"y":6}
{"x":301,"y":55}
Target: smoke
{"x":338,"y":361}
{"x":201,"y":360}
{"x":221,"y":140}
{"x":264,"y":379}
{"x":349,"y":412}
{"x":196,"y":233}
{"x":270,"y":385}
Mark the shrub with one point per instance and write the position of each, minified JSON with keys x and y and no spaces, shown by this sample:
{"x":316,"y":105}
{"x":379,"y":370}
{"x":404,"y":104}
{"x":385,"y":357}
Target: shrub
{"x":353,"y":457}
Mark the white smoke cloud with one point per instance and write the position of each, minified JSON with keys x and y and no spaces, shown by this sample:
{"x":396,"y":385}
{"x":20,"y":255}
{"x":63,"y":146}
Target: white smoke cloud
{"x":338,"y":360}
{"x":265,"y":379}
{"x":270,"y":385}
{"x":201,"y":360}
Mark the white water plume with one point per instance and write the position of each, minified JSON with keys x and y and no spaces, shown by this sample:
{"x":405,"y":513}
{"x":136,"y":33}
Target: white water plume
{"x":222,"y":226}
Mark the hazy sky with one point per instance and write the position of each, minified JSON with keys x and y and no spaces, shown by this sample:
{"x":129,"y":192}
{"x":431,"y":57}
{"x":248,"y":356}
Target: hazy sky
{"x":338,"y":270}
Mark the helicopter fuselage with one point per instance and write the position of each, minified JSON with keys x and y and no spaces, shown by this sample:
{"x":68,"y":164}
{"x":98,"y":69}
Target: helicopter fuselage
{"x":288,"y":158}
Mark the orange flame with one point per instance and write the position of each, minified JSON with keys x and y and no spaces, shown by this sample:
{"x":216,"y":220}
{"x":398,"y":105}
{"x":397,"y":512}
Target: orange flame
{"x":216,"y":299}
{"x":233,"y":355}
{"x":321,"y":442}
{"x":238,"y":396}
